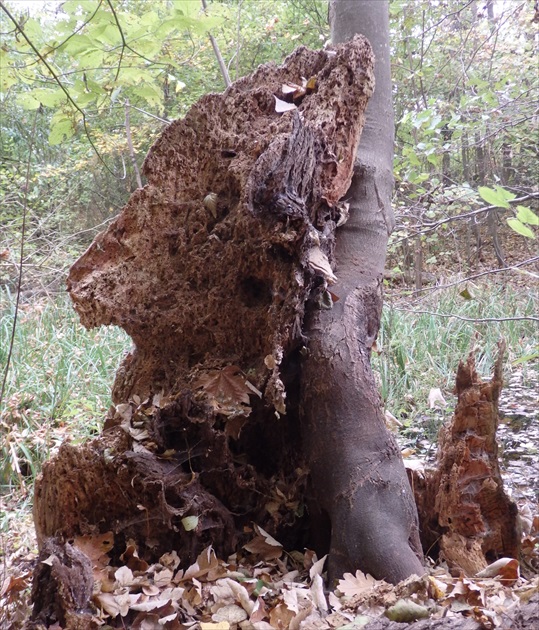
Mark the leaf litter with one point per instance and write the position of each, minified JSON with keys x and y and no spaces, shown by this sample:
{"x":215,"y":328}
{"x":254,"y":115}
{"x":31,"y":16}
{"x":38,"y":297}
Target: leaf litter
{"x":264,"y":587}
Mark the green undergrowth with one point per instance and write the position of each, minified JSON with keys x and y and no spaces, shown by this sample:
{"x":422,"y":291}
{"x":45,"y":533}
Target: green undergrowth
{"x":417,"y":352}
{"x":58,"y":383}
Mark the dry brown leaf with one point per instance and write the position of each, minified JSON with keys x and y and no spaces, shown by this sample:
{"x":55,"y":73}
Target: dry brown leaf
{"x":319,"y":262}
{"x":131,"y":558}
{"x":205,"y":565}
{"x":226,"y":389}
{"x":507,"y":568}
{"x":170,"y":560}
{"x":280,"y":617}
{"x":264,"y":545}
{"x":352,"y":585}
{"x":467,"y":591}
{"x":95,"y":547}
{"x":259,"y":612}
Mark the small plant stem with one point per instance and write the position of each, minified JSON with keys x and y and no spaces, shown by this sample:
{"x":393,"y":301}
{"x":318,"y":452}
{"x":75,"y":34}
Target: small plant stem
{"x":21,"y":258}
{"x":220,"y":60}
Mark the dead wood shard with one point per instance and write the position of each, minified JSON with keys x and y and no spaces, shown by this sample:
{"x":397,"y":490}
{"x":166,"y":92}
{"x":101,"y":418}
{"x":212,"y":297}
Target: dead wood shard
{"x":463,"y":508}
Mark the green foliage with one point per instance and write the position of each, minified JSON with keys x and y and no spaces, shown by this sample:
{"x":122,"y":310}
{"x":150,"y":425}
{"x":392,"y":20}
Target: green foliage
{"x":501,"y":197}
{"x":497,"y":196}
{"x":463,"y":80}
{"x":58,"y":385}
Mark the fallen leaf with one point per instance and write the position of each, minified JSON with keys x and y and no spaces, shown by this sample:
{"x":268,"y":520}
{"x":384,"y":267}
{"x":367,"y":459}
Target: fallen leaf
{"x":230,"y":613}
{"x":435,"y":396}
{"x":189,"y":523}
{"x":283,"y":106}
{"x":507,"y":568}
{"x":317,"y":592}
{"x":406,"y":611}
{"x":352,"y":585}
{"x":15,"y":584}
{"x":407,"y":452}
{"x":391,"y":422}
{"x":124,"y":576}
{"x":319,"y":262}
{"x":264,"y":545}
{"x":280,"y":617}
{"x":317,"y":567}
{"x":226,"y":386}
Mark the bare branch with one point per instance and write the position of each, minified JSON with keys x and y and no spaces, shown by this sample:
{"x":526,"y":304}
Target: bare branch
{"x":220,"y":60}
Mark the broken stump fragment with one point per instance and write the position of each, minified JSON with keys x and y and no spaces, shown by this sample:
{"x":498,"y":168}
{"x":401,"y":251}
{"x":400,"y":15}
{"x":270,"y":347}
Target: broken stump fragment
{"x":463,"y":508}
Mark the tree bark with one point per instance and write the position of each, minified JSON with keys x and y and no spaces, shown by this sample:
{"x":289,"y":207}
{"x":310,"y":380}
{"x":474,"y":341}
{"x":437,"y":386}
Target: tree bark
{"x":360,"y":489}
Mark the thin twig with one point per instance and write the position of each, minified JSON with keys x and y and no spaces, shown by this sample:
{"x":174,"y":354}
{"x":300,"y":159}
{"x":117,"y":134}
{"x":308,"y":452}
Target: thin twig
{"x":220,"y":60}
{"x":430,"y":227}
{"x":476,"y":320}
{"x":21,"y":258}
{"x":130,"y":144}
{"x":529,"y":261}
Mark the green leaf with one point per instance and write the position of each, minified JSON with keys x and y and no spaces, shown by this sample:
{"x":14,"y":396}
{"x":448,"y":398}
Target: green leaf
{"x":466,"y":294}
{"x":78,"y":44}
{"x":527,"y":216}
{"x":49,"y":98}
{"x":27,"y":101}
{"x":526,"y":358}
{"x":496,"y":196}
{"x":189,"y":522}
{"x":61,"y":129}
{"x":520,"y":228}
{"x":150,"y":94}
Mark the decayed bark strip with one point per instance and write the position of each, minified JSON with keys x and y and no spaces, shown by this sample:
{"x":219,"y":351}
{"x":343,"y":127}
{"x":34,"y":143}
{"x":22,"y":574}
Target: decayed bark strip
{"x":209,"y":266}
{"x":464,"y":510}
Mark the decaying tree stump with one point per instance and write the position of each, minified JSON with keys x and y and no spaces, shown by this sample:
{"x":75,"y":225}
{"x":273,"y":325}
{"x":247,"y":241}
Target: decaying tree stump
{"x":209,"y":268}
{"x":464,"y":512}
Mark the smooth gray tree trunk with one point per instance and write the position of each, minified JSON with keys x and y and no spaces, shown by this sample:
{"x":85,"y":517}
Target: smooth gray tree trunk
{"x":365,"y":507}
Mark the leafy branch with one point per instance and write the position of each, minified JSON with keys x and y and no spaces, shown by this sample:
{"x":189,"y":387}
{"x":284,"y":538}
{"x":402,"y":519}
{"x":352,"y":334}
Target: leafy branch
{"x":60,"y":84}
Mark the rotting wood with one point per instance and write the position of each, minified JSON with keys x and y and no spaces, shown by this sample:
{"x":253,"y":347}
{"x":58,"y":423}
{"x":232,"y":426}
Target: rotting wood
{"x":466,"y":517}
{"x":201,"y":287}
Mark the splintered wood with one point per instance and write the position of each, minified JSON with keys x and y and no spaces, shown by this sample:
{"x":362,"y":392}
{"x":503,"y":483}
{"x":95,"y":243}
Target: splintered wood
{"x":464,"y":510}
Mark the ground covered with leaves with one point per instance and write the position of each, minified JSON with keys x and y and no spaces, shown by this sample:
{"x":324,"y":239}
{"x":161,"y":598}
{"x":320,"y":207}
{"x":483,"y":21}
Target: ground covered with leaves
{"x":263,"y":587}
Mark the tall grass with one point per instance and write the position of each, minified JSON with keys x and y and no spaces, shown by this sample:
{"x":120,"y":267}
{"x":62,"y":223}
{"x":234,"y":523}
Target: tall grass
{"x":58,"y":383}
{"x":418,"y":352}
